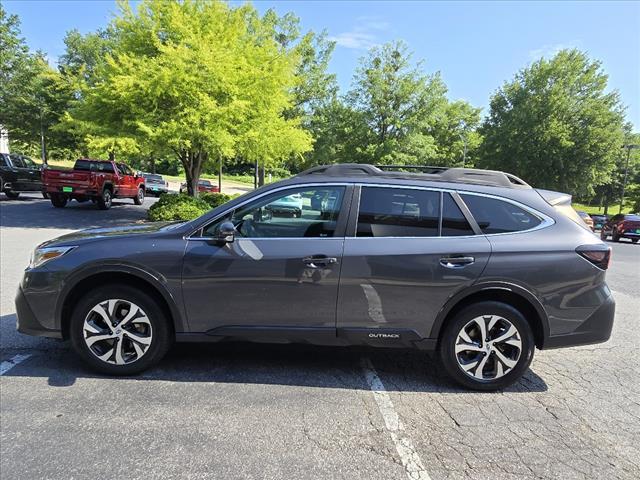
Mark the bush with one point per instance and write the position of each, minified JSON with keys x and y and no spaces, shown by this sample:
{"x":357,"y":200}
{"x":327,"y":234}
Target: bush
{"x":216,"y":199}
{"x":183,"y":207}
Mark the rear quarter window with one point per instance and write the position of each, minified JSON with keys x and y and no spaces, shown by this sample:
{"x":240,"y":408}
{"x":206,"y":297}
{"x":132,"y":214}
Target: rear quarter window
{"x":497,"y":216}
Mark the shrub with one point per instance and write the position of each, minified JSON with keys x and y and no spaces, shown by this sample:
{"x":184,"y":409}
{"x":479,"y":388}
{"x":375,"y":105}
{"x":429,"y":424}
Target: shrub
{"x":177,"y":207}
{"x":216,"y":199}
{"x":183,"y":207}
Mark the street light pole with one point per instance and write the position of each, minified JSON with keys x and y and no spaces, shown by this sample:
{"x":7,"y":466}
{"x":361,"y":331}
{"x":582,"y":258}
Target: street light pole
{"x":629,"y":147}
{"x":464,"y":141}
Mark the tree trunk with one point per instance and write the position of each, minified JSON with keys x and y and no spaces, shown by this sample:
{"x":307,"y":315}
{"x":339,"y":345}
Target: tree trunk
{"x":261,"y":176}
{"x":255,"y":175}
{"x":112,"y":156}
{"x":220,"y":175}
{"x":192,"y":162}
{"x":153,"y":165}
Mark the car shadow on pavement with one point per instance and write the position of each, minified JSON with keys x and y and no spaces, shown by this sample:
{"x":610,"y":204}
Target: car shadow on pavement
{"x":36,"y":212}
{"x":270,"y":364}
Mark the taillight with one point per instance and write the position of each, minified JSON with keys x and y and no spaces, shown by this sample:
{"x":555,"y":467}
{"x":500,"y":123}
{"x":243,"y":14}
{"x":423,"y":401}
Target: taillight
{"x":599,"y":255}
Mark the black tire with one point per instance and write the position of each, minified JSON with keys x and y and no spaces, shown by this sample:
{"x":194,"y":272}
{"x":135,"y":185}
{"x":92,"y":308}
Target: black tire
{"x":615,"y":236}
{"x":634,"y":240}
{"x":11,"y":194}
{"x":162,"y":333}
{"x":139,"y":199}
{"x":449,"y":337}
{"x":105,"y":200}
{"x":58,"y":201}
{"x":603,"y":235}
{"x":45,"y":195}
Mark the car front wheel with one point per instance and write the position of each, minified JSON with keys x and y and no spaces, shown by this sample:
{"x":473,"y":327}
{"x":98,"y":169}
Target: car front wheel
{"x":120,"y":330}
{"x":487,"y":346}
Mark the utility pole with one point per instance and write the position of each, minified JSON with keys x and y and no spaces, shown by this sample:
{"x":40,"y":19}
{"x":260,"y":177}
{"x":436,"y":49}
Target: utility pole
{"x":629,"y":147}
{"x":43,"y":146}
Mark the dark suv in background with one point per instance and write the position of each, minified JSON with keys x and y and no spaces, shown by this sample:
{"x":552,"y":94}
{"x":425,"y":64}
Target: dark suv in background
{"x":622,"y":226}
{"x":18,"y":173}
{"x":474,"y":264}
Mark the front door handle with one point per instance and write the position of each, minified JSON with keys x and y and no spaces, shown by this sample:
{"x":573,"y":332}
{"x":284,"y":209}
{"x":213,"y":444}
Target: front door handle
{"x":319,"y":261}
{"x":456,"y":262}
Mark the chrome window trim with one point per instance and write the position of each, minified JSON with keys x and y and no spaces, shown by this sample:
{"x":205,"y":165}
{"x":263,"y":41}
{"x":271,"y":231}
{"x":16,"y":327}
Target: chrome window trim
{"x":189,"y":236}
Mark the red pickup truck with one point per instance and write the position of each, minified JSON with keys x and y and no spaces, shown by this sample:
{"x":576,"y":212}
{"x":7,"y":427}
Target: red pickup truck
{"x":97,"y":180}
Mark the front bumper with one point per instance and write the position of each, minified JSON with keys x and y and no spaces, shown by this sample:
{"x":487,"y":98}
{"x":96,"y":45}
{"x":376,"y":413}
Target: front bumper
{"x":595,"y":329}
{"x":27,"y":322}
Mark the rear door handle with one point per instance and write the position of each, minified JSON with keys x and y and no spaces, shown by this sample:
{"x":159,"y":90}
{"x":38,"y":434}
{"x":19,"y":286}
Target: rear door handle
{"x":456,"y":262}
{"x":319,"y":261}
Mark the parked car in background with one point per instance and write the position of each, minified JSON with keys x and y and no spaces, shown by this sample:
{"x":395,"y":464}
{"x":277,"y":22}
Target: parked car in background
{"x":586,"y":218}
{"x":19,"y":173}
{"x":599,"y":220}
{"x":97,"y":180}
{"x":622,"y":226}
{"x":472,"y":264}
{"x":155,"y":184}
{"x":290,"y":205}
{"x":203,"y":186}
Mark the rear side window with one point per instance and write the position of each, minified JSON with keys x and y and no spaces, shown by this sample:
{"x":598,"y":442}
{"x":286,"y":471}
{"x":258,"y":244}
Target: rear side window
{"x":497,"y":216}
{"x":454,"y":222}
{"x":396,"y":212}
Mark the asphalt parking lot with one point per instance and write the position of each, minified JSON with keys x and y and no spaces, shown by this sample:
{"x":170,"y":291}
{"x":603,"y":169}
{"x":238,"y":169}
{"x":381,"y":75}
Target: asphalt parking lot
{"x":274,"y":411}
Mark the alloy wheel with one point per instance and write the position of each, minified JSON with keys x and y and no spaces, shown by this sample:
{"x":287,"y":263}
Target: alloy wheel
{"x":117,"y":331}
{"x":488,"y":347}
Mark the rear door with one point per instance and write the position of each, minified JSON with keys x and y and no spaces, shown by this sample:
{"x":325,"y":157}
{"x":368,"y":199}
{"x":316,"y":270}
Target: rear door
{"x":407,"y":251}
{"x":281,"y":272}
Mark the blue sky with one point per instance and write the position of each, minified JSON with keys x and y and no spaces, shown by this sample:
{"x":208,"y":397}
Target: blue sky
{"x":475,"y":45}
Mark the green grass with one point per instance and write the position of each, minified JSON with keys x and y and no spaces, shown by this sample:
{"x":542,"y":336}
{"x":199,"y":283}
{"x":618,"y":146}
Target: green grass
{"x":244,"y":179}
{"x":613,"y":208}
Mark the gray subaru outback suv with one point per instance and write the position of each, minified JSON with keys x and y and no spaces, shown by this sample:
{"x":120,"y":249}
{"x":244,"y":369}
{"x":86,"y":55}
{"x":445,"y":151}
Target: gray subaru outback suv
{"x":474,"y":264}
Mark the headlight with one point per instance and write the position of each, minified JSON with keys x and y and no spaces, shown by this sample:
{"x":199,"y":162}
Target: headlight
{"x":40,"y":256}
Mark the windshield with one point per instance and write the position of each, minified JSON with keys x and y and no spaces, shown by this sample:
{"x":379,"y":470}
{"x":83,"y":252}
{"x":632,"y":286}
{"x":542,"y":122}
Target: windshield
{"x":152,"y":176}
{"x":206,"y":183}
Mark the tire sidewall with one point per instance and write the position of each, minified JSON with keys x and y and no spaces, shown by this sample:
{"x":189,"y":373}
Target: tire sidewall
{"x":105,"y":200}
{"x":162,"y":331}
{"x":453,"y":327}
{"x":139,"y":199}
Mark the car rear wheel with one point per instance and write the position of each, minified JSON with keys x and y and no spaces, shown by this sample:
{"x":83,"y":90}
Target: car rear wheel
{"x":58,"y":201}
{"x":487,"y":346}
{"x":120,"y":330}
{"x":615,"y":236}
{"x":603,"y":235}
{"x":139,"y":199}
{"x":104,"y":201}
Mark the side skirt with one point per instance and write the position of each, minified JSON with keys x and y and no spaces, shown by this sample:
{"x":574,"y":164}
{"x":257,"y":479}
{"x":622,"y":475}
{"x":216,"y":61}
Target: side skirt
{"x":378,"y":337}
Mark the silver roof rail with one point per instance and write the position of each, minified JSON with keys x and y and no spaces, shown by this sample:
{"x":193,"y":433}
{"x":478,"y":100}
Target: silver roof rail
{"x":474,"y":176}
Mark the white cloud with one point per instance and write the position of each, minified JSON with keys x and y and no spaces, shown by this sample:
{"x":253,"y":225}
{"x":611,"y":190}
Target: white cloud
{"x":550,"y":50}
{"x":363,"y":35}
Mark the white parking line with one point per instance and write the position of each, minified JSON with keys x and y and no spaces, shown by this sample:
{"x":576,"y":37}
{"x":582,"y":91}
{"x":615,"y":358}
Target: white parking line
{"x":12,"y":362}
{"x":404,"y":446}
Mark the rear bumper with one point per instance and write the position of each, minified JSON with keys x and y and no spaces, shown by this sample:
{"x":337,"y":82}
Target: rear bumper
{"x":27,"y":322}
{"x":595,"y":329}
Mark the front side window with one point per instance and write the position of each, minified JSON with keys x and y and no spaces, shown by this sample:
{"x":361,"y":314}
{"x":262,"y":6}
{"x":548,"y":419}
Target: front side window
{"x":294,"y":213}
{"x":498,"y":216}
{"x":398,"y":212}
{"x":3,"y":160}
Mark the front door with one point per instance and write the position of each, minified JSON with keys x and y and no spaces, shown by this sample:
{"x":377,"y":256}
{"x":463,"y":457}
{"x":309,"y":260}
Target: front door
{"x":409,"y":255}
{"x":28,"y":173}
{"x":280,"y":273}
{"x":127,"y":184}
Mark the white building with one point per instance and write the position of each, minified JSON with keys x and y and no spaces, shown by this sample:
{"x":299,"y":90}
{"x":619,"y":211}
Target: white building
{"x":4,"y":140}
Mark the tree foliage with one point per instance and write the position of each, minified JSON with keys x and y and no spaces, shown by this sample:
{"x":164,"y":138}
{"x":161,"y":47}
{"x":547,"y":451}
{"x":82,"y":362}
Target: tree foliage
{"x":33,"y":95}
{"x":556,"y":125}
{"x":199,"y":78}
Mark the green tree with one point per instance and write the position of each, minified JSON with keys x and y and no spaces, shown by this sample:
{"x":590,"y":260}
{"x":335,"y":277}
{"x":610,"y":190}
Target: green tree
{"x":201,"y":79}
{"x":33,"y":95}
{"x":556,"y":125}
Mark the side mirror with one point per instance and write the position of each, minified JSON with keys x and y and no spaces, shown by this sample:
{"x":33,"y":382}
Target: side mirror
{"x":226,"y":232}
